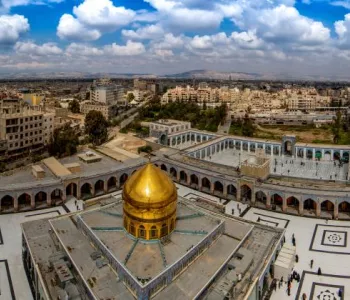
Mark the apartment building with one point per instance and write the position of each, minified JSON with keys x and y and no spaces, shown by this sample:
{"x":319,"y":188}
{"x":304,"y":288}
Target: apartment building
{"x":105,"y":97}
{"x":23,"y":126}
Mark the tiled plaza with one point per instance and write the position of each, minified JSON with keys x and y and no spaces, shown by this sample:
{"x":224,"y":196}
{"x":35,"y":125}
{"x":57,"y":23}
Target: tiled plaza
{"x":286,"y":166}
{"x":11,"y":250}
{"x":334,"y":266}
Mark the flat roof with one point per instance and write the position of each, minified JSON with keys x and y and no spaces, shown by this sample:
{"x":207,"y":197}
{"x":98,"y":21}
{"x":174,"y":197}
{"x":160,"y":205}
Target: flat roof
{"x":56,"y":167}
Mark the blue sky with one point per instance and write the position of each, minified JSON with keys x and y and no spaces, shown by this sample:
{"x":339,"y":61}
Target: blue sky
{"x":297,"y":37}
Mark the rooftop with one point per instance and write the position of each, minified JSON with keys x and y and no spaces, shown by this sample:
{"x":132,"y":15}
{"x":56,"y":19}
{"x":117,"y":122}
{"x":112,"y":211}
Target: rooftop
{"x":145,"y":260}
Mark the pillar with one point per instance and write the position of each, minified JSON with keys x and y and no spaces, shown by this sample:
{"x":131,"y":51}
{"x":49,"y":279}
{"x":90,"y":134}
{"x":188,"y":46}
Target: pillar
{"x":15,"y":203}
{"x":188,"y":180}
{"x":32,"y":201}
{"x":93,"y":192}
{"x":253,"y":199}
{"x":178,"y":175}
{"x":313,"y":154}
{"x":322,"y":151}
{"x":304,"y":153}
{"x":212,"y":187}
{"x":238,"y":196}
{"x":199,"y":183}
{"x":301,"y":207}
{"x":78,"y":192}
{"x":248,"y":146}
{"x":318,"y":209}
{"x":332,"y":154}
{"x":225,"y":190}
{"x":268,"y":201}
{"x":336,"y":210}
{"x":49,"y":201}
{"x":105,"y":186}
{"x":64,"y":195}
{"x":284,"y":204}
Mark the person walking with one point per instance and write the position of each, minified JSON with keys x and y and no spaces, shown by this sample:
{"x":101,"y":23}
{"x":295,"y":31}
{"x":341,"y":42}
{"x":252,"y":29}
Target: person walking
{"x":319,"y":272}
{"x":296,"y":258}
{"x":311,"y":263}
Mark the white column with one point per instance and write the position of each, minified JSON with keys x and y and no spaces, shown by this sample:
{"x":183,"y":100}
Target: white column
{"x":313,"y":154}
{"x":304,"y":153}
{"x":248,"y":146}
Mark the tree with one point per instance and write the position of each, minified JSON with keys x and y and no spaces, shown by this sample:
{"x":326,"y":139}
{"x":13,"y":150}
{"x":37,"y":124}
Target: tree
{"x":64,"y":141}
{"x":146,"y":149}
{"x":96,"y":127}
{"x":130,"y":97}
{"x":248,"y":128}
{"x":74,"y":106}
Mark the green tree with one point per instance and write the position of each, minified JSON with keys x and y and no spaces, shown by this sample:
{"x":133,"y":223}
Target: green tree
{"x":74,"y":106}
{"x":64,"y":141}
{"x":146,"y":149}
{"x":96,"y":127}
{"x":204,"y":105}
{"x":248,"y":128}
{"x":130,"y":97}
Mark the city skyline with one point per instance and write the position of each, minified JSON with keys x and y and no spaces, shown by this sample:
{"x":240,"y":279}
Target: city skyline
{"x":298,"y":38}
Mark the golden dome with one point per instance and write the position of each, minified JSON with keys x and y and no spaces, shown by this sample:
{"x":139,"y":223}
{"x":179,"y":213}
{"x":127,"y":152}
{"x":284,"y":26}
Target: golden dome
{"x":150,"y":202}
{"x":149,"y":187}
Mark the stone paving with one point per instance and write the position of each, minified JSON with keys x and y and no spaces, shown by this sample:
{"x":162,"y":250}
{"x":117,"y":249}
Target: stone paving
{"x":310,"y":234}
{"x":11,"y":249}
{"x":286,"y":166}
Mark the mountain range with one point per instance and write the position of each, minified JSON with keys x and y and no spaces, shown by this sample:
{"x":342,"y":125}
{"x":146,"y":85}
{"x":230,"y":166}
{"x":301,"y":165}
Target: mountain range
{"x":194,"y":74}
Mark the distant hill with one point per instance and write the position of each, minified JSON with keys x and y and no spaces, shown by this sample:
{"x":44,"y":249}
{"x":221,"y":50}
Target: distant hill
{"x":193,"y":74}
{"x":207,"y":74}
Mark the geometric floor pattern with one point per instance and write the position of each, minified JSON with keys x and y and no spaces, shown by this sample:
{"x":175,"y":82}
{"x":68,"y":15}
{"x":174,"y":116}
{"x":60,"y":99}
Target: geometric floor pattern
{"x":331,"y":239}
{"x":324,"y":287}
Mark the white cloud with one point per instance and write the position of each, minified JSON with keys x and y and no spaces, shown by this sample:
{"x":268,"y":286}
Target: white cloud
{"x":31,"y":48}
{"x":84,"y":50}
{"x":143,"y":33}
{"x":12,"y":27}
{"x":103,"y":15}
{"x":345,"y":4}
{"x":70,"y":28}
{"x":342,"y":29}
{"x":130,"y":49}
{"x":283,"y":24}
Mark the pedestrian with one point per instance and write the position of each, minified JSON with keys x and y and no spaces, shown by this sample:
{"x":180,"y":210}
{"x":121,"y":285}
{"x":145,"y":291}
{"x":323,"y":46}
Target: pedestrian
{"x":75,"y":202}
{"x":319,"y":272}
{"x":340,"y":293}
{"x":275,"y":286}
{"x":293,"y":236}
{"x":232,"y":211}
{"x":296,"y":258}
{"x":304,"y":297}
{"x":293,"y":241}
{"x":311,"y":263}
{"x":281,"y":279}
{"x":258,"y":219}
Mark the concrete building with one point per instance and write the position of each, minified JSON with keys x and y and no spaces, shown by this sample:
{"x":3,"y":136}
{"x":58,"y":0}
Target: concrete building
{"x":301,"y":102}
{"x":108,"y":111}
{"x":105,"y":97}
{"x":24,"y":127}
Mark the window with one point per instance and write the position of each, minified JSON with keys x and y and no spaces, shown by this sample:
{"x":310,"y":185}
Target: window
{"x":132,"y":228}
{"x":142,"y":231}
{"x":154,"y":232}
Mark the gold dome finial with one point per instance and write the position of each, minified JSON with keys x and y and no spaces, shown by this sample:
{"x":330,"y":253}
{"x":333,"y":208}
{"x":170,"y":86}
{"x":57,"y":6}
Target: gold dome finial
{"x":150,"y":200}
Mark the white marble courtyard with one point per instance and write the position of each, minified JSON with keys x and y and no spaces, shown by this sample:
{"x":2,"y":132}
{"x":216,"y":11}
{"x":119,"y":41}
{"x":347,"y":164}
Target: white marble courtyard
{"x":286,"y":166}
{"x":326,"y":243}
{"x":335,"y":267}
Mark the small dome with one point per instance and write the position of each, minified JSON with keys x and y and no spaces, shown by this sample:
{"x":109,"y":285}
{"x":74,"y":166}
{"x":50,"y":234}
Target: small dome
{"x":149,"y":187}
